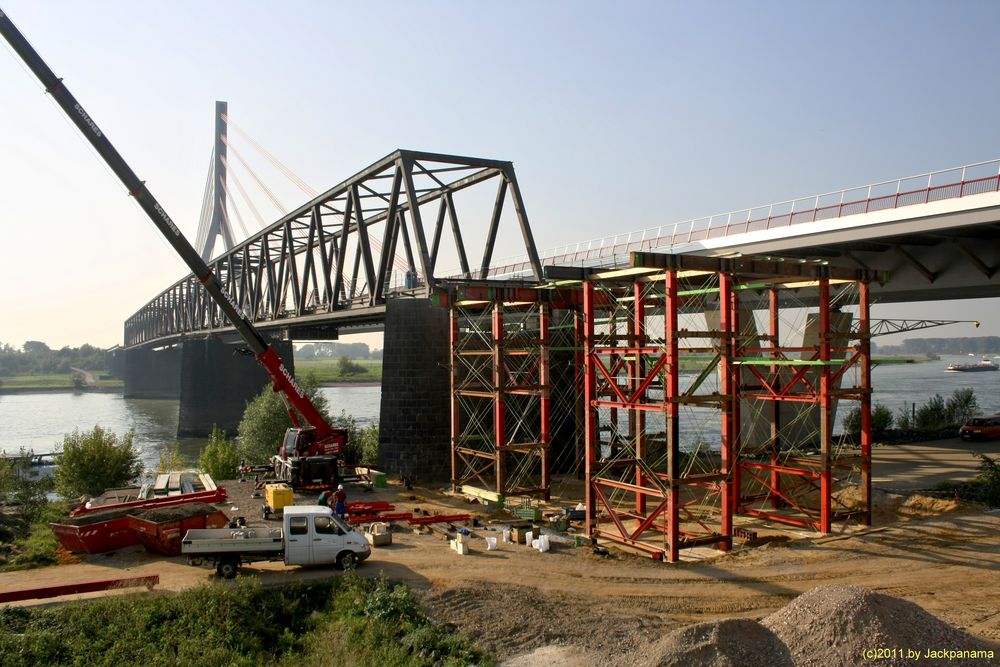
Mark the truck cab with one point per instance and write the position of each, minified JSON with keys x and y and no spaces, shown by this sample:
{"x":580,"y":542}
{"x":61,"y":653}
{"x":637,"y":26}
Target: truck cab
{"x":314,"y":535}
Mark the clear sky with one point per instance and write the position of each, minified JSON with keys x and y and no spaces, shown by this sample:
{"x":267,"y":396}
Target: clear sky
{"x":617,"y":116}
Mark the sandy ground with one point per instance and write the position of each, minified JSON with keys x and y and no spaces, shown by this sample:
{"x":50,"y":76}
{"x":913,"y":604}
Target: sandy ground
{"x":572,"y":607}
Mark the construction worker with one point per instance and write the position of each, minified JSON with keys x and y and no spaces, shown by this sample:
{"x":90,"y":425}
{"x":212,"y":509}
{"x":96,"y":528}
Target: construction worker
{"x":324,"y":498}
{"x":340,"y":496}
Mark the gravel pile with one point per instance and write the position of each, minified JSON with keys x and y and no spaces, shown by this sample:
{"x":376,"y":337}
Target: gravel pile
{"x":730,"y":643}
{"x":834,"y":626}
{"x":95,"y":517}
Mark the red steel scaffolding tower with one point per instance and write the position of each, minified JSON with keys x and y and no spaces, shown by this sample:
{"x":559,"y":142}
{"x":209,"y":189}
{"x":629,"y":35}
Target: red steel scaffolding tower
{"x":658,"y":486}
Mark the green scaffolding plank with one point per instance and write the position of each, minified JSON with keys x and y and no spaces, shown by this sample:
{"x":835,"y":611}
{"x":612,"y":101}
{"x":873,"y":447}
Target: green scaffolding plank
{"x":763,"y":361}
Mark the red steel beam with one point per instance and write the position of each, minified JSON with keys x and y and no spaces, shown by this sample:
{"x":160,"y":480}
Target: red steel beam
{"x":671,"y":391}
{"x":41,"y":592}
{"x":775,"y":405}
{"x":591,"y":443}
{"x":864,"y":333}
{"x":826,"y":407}
{"x":499,"y":414}
{"x":729,"y":491}
{"x":545,"y":403}
{"x":442,"y":518}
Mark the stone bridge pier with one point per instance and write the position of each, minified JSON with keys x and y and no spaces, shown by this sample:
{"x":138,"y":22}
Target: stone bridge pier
{"x":211,"y":379}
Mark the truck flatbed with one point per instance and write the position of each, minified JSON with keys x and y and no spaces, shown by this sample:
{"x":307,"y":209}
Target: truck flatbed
{"x":233,"y":540}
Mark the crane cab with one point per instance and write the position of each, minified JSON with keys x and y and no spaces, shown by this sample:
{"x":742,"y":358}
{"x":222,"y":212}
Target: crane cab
{"x":298,"y":442}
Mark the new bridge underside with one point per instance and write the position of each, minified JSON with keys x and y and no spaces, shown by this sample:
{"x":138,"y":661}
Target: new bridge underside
{"x":941,"y":250}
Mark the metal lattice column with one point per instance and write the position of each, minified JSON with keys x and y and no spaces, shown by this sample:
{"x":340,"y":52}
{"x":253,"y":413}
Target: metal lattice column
{"x":501,"y":402}
{"x":648,"y":487}
{"x":801,"y":476}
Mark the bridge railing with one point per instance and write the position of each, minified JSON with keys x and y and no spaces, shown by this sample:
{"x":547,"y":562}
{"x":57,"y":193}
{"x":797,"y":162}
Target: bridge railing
{"x":952,"y":183}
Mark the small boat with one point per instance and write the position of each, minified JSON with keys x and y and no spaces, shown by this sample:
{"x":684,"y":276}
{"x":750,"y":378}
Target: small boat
{"x":33,"y":467}
{"x":985,"y":365}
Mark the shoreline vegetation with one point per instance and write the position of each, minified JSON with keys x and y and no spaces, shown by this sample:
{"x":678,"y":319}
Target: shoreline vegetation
{"x":326,"y":372}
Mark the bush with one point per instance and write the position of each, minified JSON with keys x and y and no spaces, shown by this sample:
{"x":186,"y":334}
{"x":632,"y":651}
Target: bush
{"x":36,"y":546}
{"x":266,"y":419}
{"x":220,"y":458}
{"x":93,"y":461}
{"x":171,"y":460}
{"x":367,"y":448}
{"x":323,"y":623}
{"x":904,"y":419}
{"x":362,"y":442}
{"x":937,"y":416}
{"x":988,"y":480}
{"x":348,"y":367}
{"x":932,"y":416}
{"x":25,"y":496}
{"x":962,"y":406}
{"x":881,"y":421}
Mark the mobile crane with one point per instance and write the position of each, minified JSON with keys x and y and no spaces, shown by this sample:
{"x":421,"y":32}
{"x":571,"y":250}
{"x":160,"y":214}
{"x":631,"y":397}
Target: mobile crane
{"x":310,"y":452}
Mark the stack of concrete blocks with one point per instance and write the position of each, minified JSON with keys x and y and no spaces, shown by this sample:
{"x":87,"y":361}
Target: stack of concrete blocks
{"x":460,"y":544}
{"x":378,"y":534}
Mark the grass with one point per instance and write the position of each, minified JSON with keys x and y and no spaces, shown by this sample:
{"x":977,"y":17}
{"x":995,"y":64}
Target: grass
{"x":38,"y":547}
{"x":328,"y":370}
{"x":349,"y":621}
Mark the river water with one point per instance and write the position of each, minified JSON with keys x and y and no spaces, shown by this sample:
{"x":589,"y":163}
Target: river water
{"x":38,"y":421}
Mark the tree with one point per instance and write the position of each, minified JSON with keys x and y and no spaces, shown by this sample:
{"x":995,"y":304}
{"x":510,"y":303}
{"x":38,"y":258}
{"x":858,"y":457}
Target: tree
{"x":265,"y":421}
{"x":220,"y":458}
{"x":91,"y":462}
{"x":932,"y":416}
{"x":171,"y":460}
{"x":35,"y":347}
{"x":347,"y":367}
{"x":962,"y":406}
{"x":79,"y":382}
{"x":882,"y":419}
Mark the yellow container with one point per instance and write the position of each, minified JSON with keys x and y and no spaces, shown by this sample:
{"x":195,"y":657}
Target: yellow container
{"x":277,"y":496}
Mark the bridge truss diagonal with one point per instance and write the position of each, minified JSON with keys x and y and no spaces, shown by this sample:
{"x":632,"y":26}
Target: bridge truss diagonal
{"x":379,"y":233}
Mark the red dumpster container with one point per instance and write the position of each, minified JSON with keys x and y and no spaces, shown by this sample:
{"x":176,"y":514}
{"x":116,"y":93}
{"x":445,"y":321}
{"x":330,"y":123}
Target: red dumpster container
{"x":96,"y":532}
{"x":161,"y":529}
{"x":216,"y":495}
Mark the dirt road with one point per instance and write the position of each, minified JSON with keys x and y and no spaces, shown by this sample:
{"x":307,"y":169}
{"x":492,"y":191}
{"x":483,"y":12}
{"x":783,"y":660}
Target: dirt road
{"x":570,"y":606}
{"x":589,"y":608}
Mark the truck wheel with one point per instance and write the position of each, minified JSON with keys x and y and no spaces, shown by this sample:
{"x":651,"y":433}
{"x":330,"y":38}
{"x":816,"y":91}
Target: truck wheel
{"x":227,"y":569}
{"x":346,"y":560}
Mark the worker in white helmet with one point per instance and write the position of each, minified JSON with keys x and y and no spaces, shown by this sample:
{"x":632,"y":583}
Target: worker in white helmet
{"x":340,"y":498}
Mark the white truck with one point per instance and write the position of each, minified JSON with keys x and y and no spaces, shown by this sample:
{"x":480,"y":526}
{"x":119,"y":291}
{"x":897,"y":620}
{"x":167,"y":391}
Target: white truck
{"x":311,"y":535}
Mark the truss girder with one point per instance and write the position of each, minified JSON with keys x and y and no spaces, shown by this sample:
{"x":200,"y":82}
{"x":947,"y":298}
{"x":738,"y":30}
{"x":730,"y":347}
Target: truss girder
{"x":350,"y":248}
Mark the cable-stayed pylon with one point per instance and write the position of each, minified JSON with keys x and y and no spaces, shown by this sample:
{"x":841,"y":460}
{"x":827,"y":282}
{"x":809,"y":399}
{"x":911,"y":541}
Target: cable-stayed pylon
{"x":214,"y":220}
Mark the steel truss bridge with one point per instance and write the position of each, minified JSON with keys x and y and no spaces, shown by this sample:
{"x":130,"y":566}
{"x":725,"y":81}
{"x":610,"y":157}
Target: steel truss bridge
{"x":333,"y":262}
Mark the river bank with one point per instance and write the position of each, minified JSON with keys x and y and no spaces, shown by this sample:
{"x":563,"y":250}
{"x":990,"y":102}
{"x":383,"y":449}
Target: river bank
{"x":100,"y":389}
